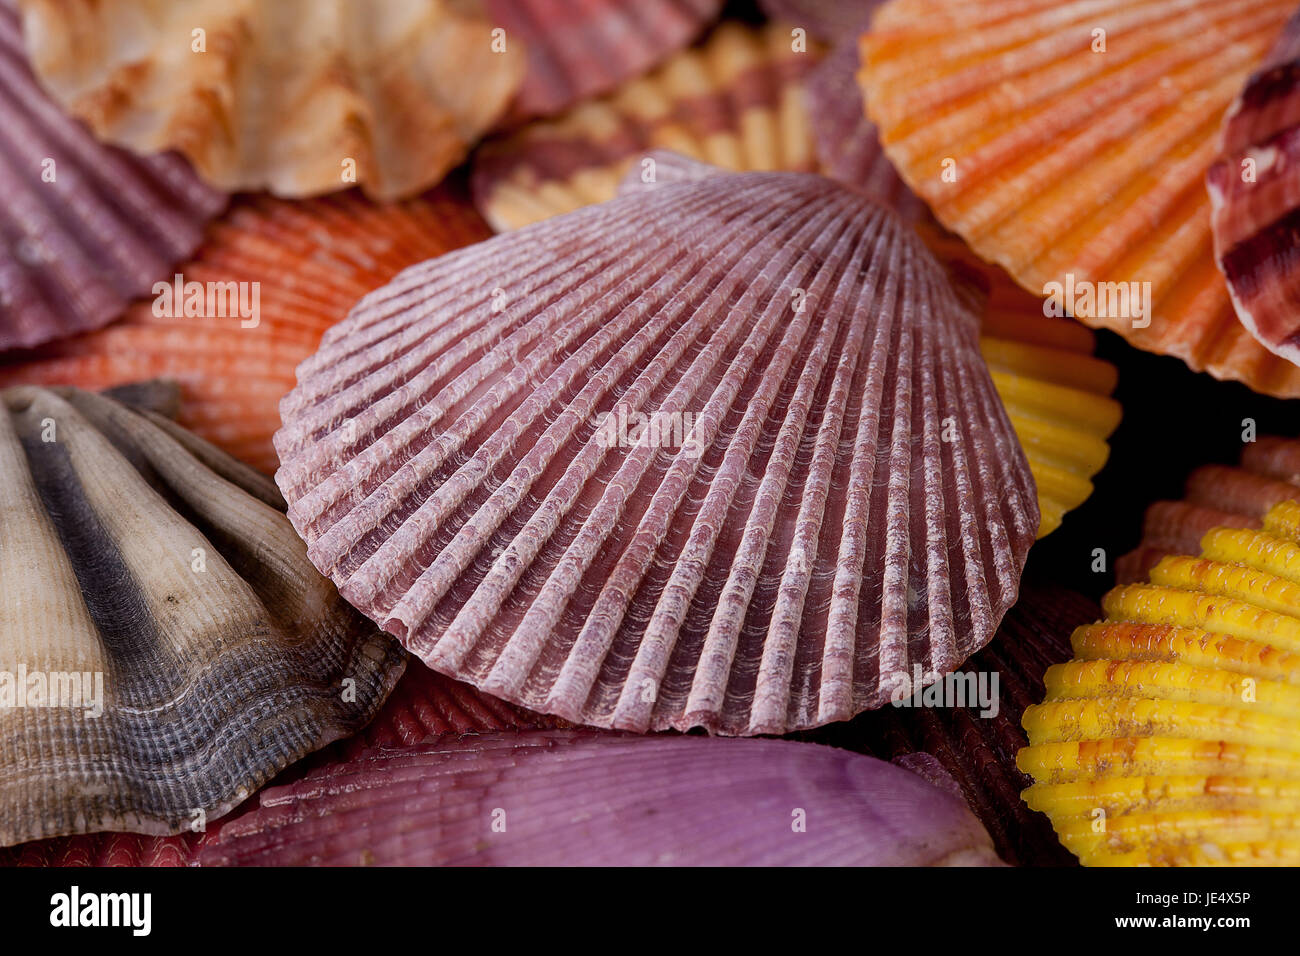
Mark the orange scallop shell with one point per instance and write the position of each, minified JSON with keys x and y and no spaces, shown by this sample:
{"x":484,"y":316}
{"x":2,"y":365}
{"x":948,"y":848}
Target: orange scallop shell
{"x":1069,"y":144}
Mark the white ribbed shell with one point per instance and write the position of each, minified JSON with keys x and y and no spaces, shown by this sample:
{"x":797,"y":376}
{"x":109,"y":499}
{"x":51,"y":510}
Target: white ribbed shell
{"x":851,"y":500}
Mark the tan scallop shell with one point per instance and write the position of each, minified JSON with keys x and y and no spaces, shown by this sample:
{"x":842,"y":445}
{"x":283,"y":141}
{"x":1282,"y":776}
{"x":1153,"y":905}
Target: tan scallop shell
{"x":165,"y":646}
{"x":300,"y":97}
{"x":825,"y":489}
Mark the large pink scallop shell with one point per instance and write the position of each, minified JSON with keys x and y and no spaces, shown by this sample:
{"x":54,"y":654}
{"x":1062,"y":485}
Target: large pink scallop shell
{"x":84,"y":227}
{"x":1255,"y":194}
{"x":582,"y":798}
{"x":825,"y":489}
{"x":578,"y":49}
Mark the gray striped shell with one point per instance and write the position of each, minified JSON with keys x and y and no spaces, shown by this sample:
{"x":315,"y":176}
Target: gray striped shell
{"x":823,"y":491}
{"x":165,"y":646}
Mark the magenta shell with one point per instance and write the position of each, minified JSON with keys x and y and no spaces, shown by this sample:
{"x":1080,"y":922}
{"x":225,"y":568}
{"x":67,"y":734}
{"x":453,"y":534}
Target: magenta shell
{"x":75,"y":251}
{"x":848,"y":499}
{"x":574,"y":798}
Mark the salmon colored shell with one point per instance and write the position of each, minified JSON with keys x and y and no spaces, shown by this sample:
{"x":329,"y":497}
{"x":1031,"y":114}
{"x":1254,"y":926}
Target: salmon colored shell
{"x":311,"y":261}
{"x":1063,"y":163}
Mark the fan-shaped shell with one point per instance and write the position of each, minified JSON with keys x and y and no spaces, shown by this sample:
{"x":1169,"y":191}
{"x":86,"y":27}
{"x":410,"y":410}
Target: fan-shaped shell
{"x":84,"y":227}
{"x":828,"y":493}
{"x":575,"y":798}
{"x":1255,"y":192}
{"x":303,"y":264}
{"x":734,"y":102}
{"x":1066,"y":164}
{"x":300,"y":97}
{"x":584,"y":48}
{"x":165,"y":646}
{"x":1217,"y":496}
{"x":1175,"y":724}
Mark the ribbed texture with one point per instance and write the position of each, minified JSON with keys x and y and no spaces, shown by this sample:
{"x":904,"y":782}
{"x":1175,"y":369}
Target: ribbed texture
{"x":848,"y":497}
{"x":423,"y":703}
{"x":311,"y":260}
{"x":1216,"y":496}
{"x":735,"y":102}
{"x":1055,"y":391}
{"x":299,"y":97}
{"x":1255,"y":193}
{"x":1070,"y":162}
{"x":84,"y":228}
{"x":136,"y":552}
{"x":977,"y":750}
{"x":1171,"y":738}
{"x":584,"y":48}
{"x":578,"y":798}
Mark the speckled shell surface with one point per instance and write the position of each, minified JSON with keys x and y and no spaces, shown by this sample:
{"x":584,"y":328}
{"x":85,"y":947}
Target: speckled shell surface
{"x":1175,"y":723}
{"x":1065,"y":164}
{"x":583,"y":798}
{"x":299,"y":97}
{"x":308,"y":262}
{"x":734,"y":101}
{"x":160,"y":570}
{"x":1255,"y":192}
{"x":825,"y":491}
{"x":84,"y":227}
{"x":578,"y":49}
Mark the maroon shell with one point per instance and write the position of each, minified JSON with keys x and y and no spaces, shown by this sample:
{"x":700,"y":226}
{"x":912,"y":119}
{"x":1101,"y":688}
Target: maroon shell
{"x":828,"y":20}
{"x":847,"y":142}
{"x":577,"y":49}
{"x":581,"y":798}
{"x":722,"y":453}
{"x":1255,"y":195}
{"x":84,"y":227}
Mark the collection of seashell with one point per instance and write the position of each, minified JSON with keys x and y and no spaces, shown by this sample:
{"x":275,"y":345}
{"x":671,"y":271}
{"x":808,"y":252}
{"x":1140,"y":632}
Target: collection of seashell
{"x":627,"y":369}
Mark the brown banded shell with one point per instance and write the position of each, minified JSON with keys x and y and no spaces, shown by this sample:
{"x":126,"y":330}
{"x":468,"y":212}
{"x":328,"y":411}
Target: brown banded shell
{"x":84,"y":227}
{"x":584,"y":48}
{"x":734,"y":101}
{"x":299,"y":97}
{"x":1255,"y":194}
{"x":823,"y":491}
{"x":187,"y":649}
{"x":1069,"y":143}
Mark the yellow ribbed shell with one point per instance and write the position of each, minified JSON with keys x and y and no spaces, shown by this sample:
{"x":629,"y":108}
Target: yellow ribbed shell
{"x":1173,"y":737}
